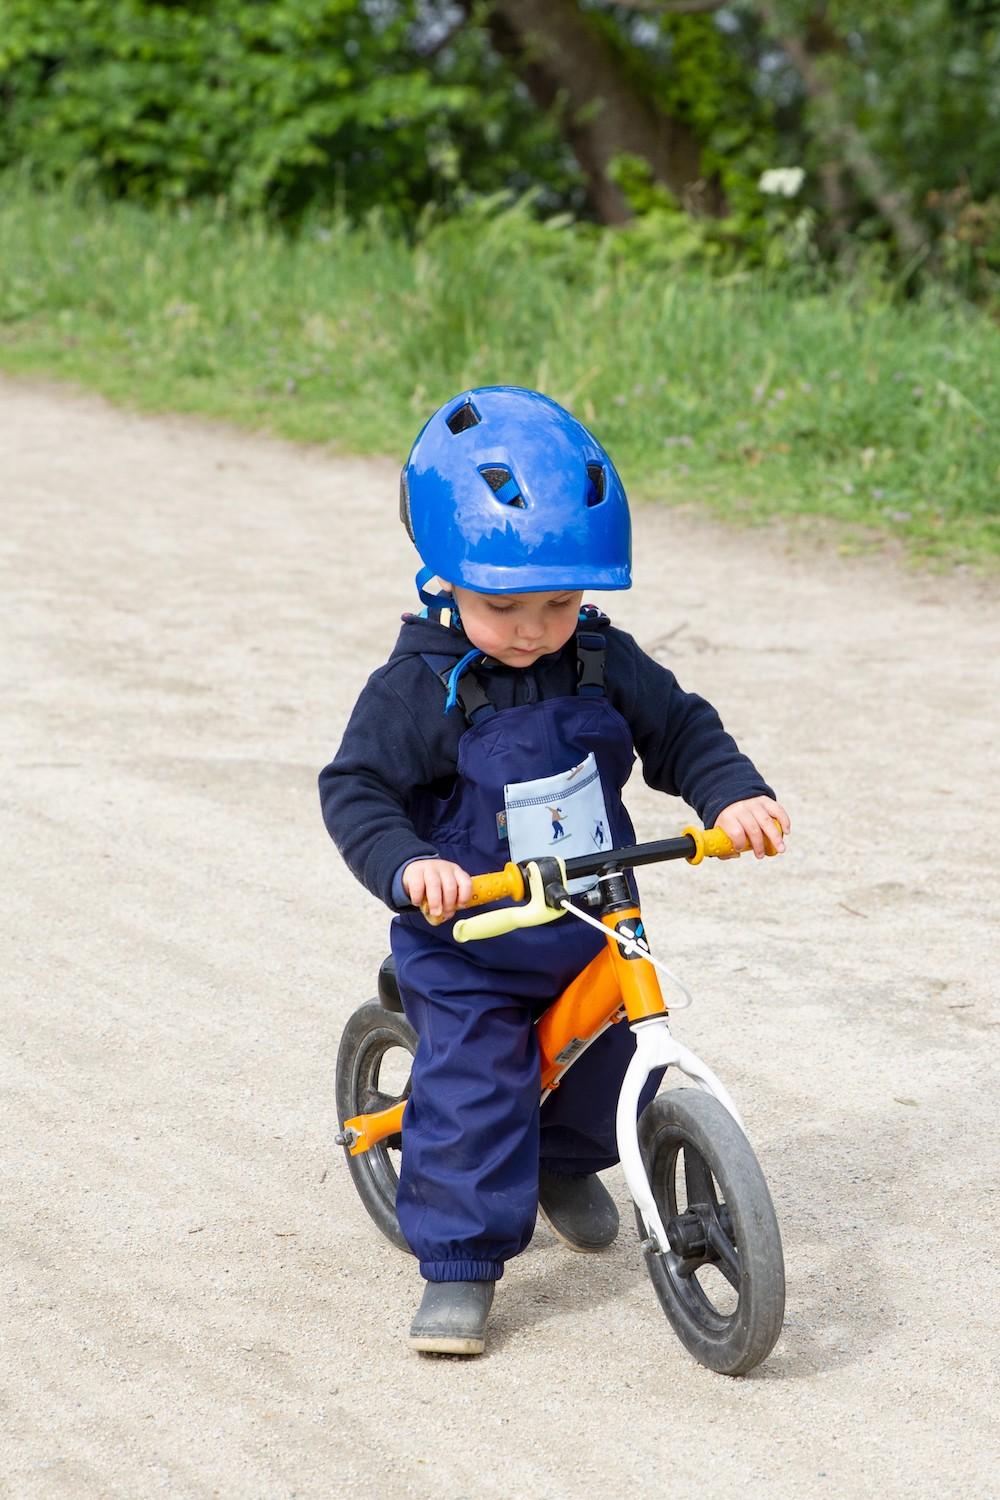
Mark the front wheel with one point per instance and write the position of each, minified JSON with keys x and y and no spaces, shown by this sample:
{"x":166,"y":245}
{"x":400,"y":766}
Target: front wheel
{"x":721,"y":1282}
{"x":373,"y":1073}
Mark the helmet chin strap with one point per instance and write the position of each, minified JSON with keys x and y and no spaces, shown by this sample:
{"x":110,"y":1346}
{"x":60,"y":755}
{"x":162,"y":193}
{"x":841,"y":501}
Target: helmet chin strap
{"x":441,"y":602}
{"x":424,"y":576}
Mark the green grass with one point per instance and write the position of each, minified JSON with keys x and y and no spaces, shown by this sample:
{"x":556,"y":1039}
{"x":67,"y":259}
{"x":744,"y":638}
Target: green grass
{"x":753,"y":396}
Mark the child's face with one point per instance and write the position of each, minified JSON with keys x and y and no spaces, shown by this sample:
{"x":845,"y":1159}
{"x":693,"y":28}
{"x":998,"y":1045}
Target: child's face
{"x":517,"y":629}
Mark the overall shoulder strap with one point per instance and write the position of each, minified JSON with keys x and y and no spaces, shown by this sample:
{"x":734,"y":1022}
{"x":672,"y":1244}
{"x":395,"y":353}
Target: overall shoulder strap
{"x":591,"y":650}
{"x":469,"y":691}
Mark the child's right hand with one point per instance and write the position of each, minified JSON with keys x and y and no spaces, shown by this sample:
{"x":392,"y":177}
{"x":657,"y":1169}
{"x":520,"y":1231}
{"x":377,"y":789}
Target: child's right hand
{"x":438,"y":886}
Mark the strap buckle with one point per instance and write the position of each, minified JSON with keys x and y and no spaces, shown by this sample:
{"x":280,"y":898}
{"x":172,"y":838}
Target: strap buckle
{"x":591,"y":649}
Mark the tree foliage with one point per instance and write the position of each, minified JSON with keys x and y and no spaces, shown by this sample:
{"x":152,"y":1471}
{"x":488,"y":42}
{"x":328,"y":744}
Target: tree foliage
{"x":669,"y":110}
{"x":271,"y":103}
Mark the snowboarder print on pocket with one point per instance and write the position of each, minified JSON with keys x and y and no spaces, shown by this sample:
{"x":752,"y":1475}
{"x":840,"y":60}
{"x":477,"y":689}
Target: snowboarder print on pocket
{"x":566,"y":811}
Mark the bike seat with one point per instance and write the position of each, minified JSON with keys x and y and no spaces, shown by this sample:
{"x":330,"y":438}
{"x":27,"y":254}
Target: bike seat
{"x":388,"y":989}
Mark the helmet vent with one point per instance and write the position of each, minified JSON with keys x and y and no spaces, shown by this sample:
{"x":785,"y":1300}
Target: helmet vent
{"x":462,"y":418}
{"x":503,"y":484}
{"x":595,"y":484}
{"x":404,"y":506}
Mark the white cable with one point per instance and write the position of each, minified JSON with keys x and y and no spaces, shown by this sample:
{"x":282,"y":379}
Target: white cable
{"x":629,"y":943}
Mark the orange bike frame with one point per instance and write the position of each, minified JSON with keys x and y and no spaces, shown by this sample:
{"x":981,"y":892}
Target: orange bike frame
{"x":611,"y":988}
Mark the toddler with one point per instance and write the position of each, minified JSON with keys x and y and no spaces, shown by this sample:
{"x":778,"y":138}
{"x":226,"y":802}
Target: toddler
{"x":506,"y":720}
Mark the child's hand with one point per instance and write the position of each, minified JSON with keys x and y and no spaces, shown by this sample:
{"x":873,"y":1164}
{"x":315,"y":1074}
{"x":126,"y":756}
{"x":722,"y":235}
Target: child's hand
{"x":438,"y":885}
{"x":750,"y":822}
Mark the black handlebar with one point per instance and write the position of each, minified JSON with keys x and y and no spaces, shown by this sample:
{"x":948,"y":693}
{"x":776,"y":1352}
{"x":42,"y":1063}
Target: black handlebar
{"x":615,"y":860}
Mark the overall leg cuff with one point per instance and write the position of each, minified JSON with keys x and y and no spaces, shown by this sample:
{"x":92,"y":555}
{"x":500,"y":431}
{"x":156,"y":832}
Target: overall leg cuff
{"x":461,"y":1270}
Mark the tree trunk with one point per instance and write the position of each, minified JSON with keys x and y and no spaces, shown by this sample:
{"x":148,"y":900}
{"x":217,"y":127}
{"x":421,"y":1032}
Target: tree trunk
{"x":863,"y":163}
{"x":563,"y":60}
{"x":846,"y":143}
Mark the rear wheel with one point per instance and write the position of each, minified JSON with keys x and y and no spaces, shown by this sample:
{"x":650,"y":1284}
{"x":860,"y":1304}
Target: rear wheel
{"x":721,"y":1281}
{"x":373,"y":1072}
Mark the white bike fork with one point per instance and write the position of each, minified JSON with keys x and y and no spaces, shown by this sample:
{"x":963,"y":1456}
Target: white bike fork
{"x":655,"y":1048}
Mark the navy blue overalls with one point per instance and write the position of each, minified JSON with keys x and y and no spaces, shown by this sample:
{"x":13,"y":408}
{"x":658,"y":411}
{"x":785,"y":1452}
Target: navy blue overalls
{"x":468,"y":1190}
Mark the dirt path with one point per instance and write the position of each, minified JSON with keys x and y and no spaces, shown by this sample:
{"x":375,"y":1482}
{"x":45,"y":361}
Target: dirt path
{"x":195,"y":1303}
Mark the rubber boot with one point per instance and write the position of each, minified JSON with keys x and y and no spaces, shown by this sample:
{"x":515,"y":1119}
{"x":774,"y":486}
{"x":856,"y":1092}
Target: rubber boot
{"x":451,"y":1318}
{"x":579,"y":1210}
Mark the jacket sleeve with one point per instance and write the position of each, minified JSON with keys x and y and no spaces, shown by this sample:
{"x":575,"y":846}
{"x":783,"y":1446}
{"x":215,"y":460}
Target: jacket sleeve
{"x":366,"y":790}
{"x":679,"y":736}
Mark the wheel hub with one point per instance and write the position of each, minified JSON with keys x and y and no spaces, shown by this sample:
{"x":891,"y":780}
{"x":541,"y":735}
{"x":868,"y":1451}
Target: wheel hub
{"x":688,"y":1234}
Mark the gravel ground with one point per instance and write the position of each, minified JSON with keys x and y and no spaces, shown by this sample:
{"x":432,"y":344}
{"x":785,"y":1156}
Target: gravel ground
{"x":195,"y":1301}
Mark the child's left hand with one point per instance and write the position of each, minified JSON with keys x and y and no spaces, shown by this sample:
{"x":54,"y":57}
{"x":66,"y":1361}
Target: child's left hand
{"x":750,"y":822}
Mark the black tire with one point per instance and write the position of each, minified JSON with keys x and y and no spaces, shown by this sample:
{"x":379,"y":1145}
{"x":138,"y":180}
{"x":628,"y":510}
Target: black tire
{"x":369,"y":1037}
{"x":722,"y":1281}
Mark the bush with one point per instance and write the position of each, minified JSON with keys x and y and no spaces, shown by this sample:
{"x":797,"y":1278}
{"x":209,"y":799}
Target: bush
{"x":269,"y":103}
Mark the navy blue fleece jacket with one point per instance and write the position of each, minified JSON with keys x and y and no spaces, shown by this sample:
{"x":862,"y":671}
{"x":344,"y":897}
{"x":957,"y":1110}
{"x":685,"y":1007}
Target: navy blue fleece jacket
{"x":400,"y":739}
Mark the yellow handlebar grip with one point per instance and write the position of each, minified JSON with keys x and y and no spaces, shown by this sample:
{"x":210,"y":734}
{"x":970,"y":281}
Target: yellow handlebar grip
{"x":714,"y":842}
{"x":717,"y":843}
{"x":508,"y":882}
{"x":496,"y":886}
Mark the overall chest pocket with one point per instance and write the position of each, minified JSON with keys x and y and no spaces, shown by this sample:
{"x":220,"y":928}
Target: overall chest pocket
{"x":563,"y":814}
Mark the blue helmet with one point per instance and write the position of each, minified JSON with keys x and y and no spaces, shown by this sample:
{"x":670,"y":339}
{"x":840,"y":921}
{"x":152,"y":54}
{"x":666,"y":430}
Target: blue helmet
{"x":504,"y":492}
